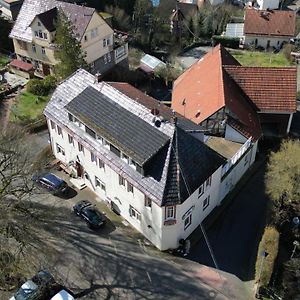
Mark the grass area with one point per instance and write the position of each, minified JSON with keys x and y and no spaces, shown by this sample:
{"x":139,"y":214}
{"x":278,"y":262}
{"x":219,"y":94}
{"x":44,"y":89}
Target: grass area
{"x":3,"y":60}
{"x":28,"y":107}
{"x":261,"y":59}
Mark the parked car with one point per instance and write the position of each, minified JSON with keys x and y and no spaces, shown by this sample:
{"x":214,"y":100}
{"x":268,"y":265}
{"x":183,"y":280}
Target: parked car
{"x":52,"y":183}
{"x":86,"y":210}
{"x":41,"y":286}
{"x":63,"y":295}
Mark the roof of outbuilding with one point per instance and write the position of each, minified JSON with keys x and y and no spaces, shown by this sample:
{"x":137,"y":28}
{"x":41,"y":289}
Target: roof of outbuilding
{"x":271,"y":89}
{"x":129,"y":133}
{"x":22,"y":65}
{"x":270,"y":22}
{"x":80,"y":17}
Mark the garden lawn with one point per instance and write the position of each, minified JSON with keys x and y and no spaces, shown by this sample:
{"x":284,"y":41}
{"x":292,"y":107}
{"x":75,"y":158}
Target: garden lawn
{"x":260,"y":59}
{"x":27,"y":107}
{"x":3,"y":60}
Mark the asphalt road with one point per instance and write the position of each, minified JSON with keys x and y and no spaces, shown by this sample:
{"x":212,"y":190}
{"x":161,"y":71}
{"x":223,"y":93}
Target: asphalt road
{"x":235,"y":235}
{"x":116,"y":263}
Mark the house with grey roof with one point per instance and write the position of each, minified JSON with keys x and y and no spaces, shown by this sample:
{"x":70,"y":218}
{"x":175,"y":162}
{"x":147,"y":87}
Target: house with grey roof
{"x":150,"y":164}
{"x":33,"y":36}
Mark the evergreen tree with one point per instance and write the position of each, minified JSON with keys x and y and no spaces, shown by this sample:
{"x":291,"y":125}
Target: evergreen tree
{"x":69,"y":51}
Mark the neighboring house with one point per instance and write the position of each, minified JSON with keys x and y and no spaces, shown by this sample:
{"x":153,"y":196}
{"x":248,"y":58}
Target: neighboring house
{"x":150,"y":164}
{"x":235,"y":105}
{"x":10,"y":8}
{"x":267,"y":4}
{"x":269,"y":28}
{"x":34,"y":36}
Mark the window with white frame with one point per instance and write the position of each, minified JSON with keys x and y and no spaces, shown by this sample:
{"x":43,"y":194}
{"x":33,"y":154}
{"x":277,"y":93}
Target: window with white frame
{"x":45,"y":36}
{"x":94,"y":32}
{"x":104,"y":43}
{"x":71,"y":140}
{"x":101,"y":163}
{"x":99,"y":138}
{"x":85,"y":38}
{"x":80,"y":148}
{"x":36,"y":33}
{"x":33,"y":48}
{"x":60,"y":149}
{"x":208,"y":182}
{"x":170,"y":212}
{"x":121,"y":180}
{"x":206,"y":202}
{"x":52,"y":125}
{"x":99,"y":183}
{"x":39,"y":23}
{"x":40,"y":34}
{"x":187,"y":221}
{"x":134,"y":213}
{"x":148,"y":201}
{"x":59,"y":131}
{"x":43,"y":51}
{"x":93,"y":158}
{"x":108,"y":57}
{"x":200,"y":190}
{"x":129,"y":187}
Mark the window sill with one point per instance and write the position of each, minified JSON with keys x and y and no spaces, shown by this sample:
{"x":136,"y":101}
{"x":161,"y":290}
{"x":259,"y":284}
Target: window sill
{"x":170,"y":222}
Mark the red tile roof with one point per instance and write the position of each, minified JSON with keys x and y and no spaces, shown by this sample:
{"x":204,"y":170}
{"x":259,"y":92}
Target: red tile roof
{"x":21,"y":65}
{"x":206,"y":88}
{"x":271,"y":89}
{"x":270,"y":22}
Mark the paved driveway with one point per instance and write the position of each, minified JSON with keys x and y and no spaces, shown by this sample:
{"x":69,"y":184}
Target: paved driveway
{"x":116,"y":263}
{"x":235,"y":235}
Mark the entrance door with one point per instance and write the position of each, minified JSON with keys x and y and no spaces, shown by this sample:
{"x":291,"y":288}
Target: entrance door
{"x":46,"y":69}
{"x":79,"y":169}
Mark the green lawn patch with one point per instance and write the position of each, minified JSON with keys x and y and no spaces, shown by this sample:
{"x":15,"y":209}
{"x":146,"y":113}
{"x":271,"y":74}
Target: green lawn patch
{"x":28,"y":107}
{"x":4,"y":59}
{"x":261,"y":59}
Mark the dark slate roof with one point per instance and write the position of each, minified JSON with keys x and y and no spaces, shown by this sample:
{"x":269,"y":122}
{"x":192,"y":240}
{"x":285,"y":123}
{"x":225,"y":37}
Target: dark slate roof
{"x":164,"y":111}
{"x":48,"y":19}
{"x":129,"y":133}
{"x":191,"y":163}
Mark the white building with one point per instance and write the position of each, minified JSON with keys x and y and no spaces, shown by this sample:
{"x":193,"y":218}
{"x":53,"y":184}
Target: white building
{"x":268,"y":4}
{"x":152,"y":167}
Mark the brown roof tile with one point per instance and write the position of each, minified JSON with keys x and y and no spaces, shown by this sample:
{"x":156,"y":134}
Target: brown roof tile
{"x":21,"y":65}
{"x":271,"y":89}
{"x":270,"y":22}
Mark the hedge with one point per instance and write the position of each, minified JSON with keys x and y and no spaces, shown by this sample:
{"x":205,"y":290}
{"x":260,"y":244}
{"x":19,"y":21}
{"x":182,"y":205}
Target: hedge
{"x":226,"y":41}
{"x":269,"y":243}
{"x":41,"y":87}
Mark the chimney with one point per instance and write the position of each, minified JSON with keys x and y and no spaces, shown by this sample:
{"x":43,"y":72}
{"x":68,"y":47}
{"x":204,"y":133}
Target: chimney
{"x":98,"y":77}
{"x":173,"y":119}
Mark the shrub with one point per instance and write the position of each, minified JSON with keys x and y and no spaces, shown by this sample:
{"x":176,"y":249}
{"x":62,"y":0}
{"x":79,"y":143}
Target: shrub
{"x":41,"y":87}
{"x":226,"y":41}
{"x":269,"y":244}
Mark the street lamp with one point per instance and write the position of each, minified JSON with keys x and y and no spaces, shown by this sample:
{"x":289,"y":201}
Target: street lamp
{"x":263,"y":254}
{"x":296,"y":245}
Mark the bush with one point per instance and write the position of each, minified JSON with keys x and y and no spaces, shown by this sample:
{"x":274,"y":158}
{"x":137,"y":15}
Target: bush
{"x":291,"y":279}
{"x":226,"y":41}
{"x":269,"y":243}
{"x":41,"y":87}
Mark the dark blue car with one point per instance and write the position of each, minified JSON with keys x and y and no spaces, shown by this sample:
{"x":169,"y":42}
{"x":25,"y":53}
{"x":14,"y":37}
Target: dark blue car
{"x":52,"y":183}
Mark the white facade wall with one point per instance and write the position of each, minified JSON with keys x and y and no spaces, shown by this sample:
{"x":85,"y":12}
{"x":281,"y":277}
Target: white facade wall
{"x":238,"y":170}
{"x":265,"y":4}
{"x":151,"y":217}
{"x":193,"y":207}
{"x":263,"y":41}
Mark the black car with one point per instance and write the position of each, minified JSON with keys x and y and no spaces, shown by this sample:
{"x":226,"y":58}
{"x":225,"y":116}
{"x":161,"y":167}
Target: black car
{"x":52,"y":183}
{"x":93,"y":217}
